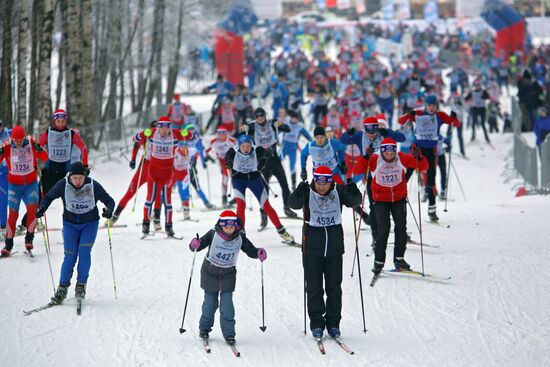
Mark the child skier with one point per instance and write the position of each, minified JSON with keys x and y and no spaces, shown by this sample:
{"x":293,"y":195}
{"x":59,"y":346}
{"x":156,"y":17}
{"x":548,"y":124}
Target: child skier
{"x":219,"y":273}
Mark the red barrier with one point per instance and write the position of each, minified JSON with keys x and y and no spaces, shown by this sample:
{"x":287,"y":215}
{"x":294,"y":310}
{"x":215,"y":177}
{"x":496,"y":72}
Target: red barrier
{"x":511,"y":39}
{"x":229,"y":48}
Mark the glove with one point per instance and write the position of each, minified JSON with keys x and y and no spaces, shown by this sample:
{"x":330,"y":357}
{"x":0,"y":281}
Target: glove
{"x":384,"y":132}
{"x":2,"y":151}
{"x":303,"y":175}
{"x":37,"y":147}
{"x":368,"y":152}
{"x":107,"y":213}
{"x":351,"y":131}
{"x":302,"y":187}
{"x":204,"y":164}
{"x":209,"y":158}
{"x":416,"y":152}
{"x":194,"y":244}
{"x":412,"y":113}
{"x":244,"y":128}
{"x":184,"y":132}
{"x":39,"y":213}
{"x":262,"y":254}
{"x":343,"y":168}
{"x":453,"y":114}
{"x":277,"y":123}
{"x":147,"y":132}
{"x":133,"y":164}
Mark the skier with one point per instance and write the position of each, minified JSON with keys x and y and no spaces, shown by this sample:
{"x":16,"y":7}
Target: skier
{"x":290,"y":143}
{"x":323,"y":246}
{"x":227,"y":114}
{"x":219,"y":273}
{"x":196,"y":151}
{"x":442,"y":163}
{"x":335,"y":120}
{"x":180,"y":176}
{"x":176,"y":111}
{"x":245,"y":163}
{"x":4,"y":137}
{"x":264,"y":135}
{"x":280,"y":94}
{"x":221,"y":145}
{"x":427,"y":123}
{"x":389,"y":191}
{"x":20,"y":153}
{"x":478,"y":109}
{"x":79,"y":194}
{"x":140,"y":176}
{"x":223,"y":89}
{"x":324,"y":152}
{"x":163,"y":140}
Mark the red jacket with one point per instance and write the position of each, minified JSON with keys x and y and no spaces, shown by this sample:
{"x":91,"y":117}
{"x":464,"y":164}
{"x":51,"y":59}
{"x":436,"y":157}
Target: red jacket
{"x":387,"y":193}
{"x":441,"y":116}
{"x":26,"y":178}
{"x":158,"y":162}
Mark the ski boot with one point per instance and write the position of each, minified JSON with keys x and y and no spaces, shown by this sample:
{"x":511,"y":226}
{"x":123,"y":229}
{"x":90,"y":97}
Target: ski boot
{"x":289,"y":213}
{"x":20,"y":229}
{"x":203,"y":334}
{"x":334,"y":332}
{"x":377,"y":268}
{"x":293,"y":180}
{"x":285,"y":236}
{"x":145,"y":227}
{"x":401,"y":264}
{"x":443,"y":195}
{"x":6,"y":251}
{"x":80,"y":290}
{"x":156,"y":221}
{"x":432,"y":214}
{"x":60,"y":295}
{"x":230,"y":340}
{"x":29,"y":237}
{"x":186,"y":215}
{"x":224,"y":201}
{"x":169,"y":230}
{"x":317,"y":333}
{"x":210,"y":206}
{"x":263,"y":221}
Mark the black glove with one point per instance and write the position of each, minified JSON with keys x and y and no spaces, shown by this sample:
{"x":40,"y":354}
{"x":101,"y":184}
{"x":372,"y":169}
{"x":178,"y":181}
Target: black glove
{"x":350,"y":186}
{"x":384,"y":132}
{"x":133,"y":164}
{"x":204,"y":164}
{"x":1,"y":150}
{"x":368,"y":153}
{"x":416,"y":152}
{"x":453,"y":114}
{"x":37,"y":147}
{"x":107,"y":213}
{"x":303,"y":175}
{"x":86,"y":171}
{"x":39,"y":213}
{"x":351,"y":131}
{"x":343,"y":168}
{"x":302,"y":187}
{"x":412,"y":113}
{"x":209,"y":158}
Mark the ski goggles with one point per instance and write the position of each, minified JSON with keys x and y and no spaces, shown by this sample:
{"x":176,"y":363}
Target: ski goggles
{"x":388,"y":148}
{"x":60,"y":115}
{"x":228,"y":222}
{"x":163,"y":124}
{"x":371,"y":128}
{"x":259,"y":114}
{"x":322,"y":178}
{"x":221,"y":132}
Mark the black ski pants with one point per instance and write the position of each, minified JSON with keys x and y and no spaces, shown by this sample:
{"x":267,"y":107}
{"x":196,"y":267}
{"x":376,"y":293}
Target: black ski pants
{"x":478,"y":117}
{"x":398,"y":211}
{"x":429,"y":153}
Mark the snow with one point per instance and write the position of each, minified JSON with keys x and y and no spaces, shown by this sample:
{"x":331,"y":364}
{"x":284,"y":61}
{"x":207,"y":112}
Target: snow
{"x":494,"y":310}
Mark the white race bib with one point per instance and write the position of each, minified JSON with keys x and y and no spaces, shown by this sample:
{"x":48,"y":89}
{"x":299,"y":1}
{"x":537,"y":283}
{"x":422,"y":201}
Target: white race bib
{"x":388,"y":174}
{"x":324,"y":210}
{"x":322,"y":156}
{"x":59,"y":145}
{"x":245,"y":163}
{"x":79,"y":201}
{"x":22,"y":160}
{"x":426,"y":127}
{"x":162,"y":147}
{"x":222,"y":253}
{"x":264,"y":135}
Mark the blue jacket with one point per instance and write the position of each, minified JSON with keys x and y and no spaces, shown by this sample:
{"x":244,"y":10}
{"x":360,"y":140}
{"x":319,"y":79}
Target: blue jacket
{"x":339,"y":152}
{"x":357,"y":138}
{"x":541,"y":128}
{"x":58,"y":191}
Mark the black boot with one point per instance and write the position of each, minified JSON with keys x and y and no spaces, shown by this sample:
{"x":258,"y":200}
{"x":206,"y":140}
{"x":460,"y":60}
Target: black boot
{"x":401,"y":264}
{"x":145,"y":227}
{"x":60,"y":295}
{"x":203,"y":334}
{"x":289,"y":213}
{"x":29,"y":237}
{"x":377,"y":268}
{"x":80,"y":290}
{"x":6,"y":251}
{"x":263,"y":222}
{"x":156,"y":220}
{"x":169,"y":230}
{"x":230,"y":340}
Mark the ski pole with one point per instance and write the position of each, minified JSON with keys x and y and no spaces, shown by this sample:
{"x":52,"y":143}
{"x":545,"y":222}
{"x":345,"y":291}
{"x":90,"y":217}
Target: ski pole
{"x":182,"y":330}
{"x":263,"y":327}
{"x":139,"y":175}
{"x":412,"y":212}
{"x":304,"y":260}
{"x":420,"y":218}
{"x":208,"y":181}
{"x":111,"y":252}
{"x":458,"y":180}
{"x":47,"y":246}
{"x":268,"y":187}
{"x":359,"y":230}
{"x":448,"y":170}
{"x":359,"y":270}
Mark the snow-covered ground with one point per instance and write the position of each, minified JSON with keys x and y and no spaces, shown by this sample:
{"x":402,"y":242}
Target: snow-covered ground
{"x":493,"y":312}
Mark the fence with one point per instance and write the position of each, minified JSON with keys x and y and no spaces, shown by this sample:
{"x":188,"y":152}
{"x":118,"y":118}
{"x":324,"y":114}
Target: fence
{"x":115,"y":136}
{"x":526,"y":157}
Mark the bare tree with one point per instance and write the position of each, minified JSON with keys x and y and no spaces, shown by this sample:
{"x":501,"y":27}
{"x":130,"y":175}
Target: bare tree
{"x":22,"y":50}
{"x":154,"y":67}
{"x":35,"y":71}
{"x":44,"y":89}
{"x":86,"y":72}
{"x":5,"y":77}
{"x":175,"y":64}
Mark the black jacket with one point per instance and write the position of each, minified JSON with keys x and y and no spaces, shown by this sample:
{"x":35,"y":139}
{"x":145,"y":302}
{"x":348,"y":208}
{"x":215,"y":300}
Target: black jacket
{"x":324,"y":241}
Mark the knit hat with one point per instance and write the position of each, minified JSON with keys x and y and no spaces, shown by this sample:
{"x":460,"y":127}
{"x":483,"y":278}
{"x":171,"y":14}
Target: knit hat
{"x":388,"y":145}
{"x":259,"y":112}
{"x":18,"y":132}
{"x":322,"y":174}
{"x":319,"y":130}
{"x":60,"y":114}
{"x":431,"y":99}
{"x":244,"y":139}
{"x":228,"y":218}
{"x":176,"y":96}
{"x":221,"y":130}
{"x":370,"y":124}
{"x":77,"y":168}
{"x":164,"y":121}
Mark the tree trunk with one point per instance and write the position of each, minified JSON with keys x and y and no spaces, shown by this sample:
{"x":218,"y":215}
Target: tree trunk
{"x":154,"y":70}
{"x":86,"y":71}
{"x":35,"y":48}
{"x":141,"y":81}
{"x":175,"y":65}
{"x":23,"y":43}
{"x":6,"y":113}
{"x":115,"y":27}
{"x":44,"y":90}
{"x":73,"y":48}
{"x":101,"y":67}
{"x":60,"y":67}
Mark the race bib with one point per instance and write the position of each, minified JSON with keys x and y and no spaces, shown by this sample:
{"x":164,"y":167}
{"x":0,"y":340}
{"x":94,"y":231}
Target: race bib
{"x":324,"y":210}
{"x":426,"y":127}
{"x":388,"y":174}
{"x":223,"y":253}
{"x":21,"y":160}
{"x":79,"y":201}
{"x":162,"y":147}
{"x":245,"y":163}
{"x":59,"y":145}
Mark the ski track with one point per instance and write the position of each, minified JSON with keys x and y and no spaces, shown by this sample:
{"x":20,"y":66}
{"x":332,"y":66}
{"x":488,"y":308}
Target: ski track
{"x":493,"y":312}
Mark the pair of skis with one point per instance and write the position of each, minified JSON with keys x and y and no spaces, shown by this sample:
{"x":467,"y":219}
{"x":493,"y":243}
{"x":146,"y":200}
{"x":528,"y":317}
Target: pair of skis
{"x":338,"y":341}
{"x":409,"y":273}
{"x":50,"y":304}
{"x":206,"y":347}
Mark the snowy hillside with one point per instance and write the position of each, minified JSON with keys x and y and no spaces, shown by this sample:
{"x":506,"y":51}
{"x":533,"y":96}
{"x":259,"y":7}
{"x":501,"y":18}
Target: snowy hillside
{"x":494,"y":310}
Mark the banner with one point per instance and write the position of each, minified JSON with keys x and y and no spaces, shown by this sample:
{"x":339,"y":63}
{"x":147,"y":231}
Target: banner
{"x":388,"y":9}
{"x":404,"y":11}
{"x":431,"y":11}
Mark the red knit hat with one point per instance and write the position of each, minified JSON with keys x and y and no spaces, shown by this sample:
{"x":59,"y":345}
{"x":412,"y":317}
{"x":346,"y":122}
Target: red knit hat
{"x":164,"y":121}
{"x":60,"y":114}
{"x":322,"y":174}
{"x":176,"y":96}
{"x":228,"y":218}
{"x":18,"y":132}
{"x":388,"y":145}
